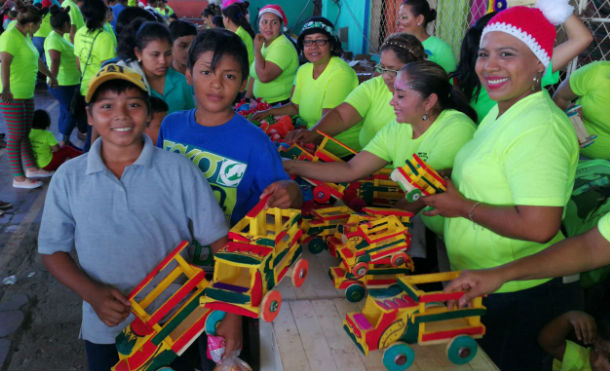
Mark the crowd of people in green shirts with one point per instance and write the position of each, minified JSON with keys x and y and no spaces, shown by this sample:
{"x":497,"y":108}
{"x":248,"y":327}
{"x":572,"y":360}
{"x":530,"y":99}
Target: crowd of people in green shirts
{"x":485,"y":121}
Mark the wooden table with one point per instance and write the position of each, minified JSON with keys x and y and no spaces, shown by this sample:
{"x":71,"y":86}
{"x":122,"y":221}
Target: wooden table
{"x":308,"y":332}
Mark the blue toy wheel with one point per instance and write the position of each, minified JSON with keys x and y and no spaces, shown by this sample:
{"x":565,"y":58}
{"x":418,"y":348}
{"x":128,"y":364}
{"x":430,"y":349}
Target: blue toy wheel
{"x":414,"y":195}
{"x":355,"y":292}
{"x":212,"y":321}
{"x":461,"y":349}
{"x":316,"y":245}
{"x":398,"y":357}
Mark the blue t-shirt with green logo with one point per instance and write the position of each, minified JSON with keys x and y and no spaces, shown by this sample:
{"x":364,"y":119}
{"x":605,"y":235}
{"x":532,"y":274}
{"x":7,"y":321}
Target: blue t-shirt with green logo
{"x":237,"y":158}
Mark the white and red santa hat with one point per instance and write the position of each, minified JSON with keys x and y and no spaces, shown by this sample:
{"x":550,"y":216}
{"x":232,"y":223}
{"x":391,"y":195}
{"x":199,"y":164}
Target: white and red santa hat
{"x":276,"y":10}
{"x":535,"y":27}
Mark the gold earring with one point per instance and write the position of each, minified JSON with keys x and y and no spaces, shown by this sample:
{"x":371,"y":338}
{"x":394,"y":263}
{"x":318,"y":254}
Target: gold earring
{"x":536,"y":82}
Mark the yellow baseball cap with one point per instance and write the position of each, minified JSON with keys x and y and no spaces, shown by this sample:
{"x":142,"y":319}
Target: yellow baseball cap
{"x":113,"y":71}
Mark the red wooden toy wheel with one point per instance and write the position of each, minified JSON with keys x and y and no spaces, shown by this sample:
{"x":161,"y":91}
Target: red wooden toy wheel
{"x":399,"y":259}
{"x":321,"y":195}
{"x":270,"y":306}
{"x":299,"y":273}
{"x":360,"y":269}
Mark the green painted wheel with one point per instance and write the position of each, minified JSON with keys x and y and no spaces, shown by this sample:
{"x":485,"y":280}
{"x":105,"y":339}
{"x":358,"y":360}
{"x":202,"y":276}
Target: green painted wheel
{"x":414,"y":195}
{"x":461,"y":349}
{"x":398,"y":357}
{"x":316,"y":245}
{"x":355,"y":292}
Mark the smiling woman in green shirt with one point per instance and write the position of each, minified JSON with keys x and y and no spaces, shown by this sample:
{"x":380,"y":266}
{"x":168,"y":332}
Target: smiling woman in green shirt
{"x":368,"y":105}
{"x":326,"y":74}
{"x":19,"y":64}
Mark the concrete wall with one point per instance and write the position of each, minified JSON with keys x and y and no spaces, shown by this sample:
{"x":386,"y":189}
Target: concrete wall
{"x":353,"y":14}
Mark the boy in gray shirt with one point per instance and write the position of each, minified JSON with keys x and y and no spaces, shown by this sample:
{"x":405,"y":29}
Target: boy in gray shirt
{"x":123,"y":207}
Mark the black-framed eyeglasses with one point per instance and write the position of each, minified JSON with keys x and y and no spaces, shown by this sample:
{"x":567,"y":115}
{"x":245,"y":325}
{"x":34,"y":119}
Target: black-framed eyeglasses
{"x":381,"y":70}
{"x":318,"y":42}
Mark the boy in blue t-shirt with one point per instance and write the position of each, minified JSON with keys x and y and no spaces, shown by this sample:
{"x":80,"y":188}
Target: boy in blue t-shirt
{"x":123,"y":207}
{"x":238,"y":159}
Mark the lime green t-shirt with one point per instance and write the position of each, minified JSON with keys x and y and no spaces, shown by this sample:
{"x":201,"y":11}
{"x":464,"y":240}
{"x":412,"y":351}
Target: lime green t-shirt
{"x":604,"y":226}
{"x":527,"y":156}
{"x":165,"y":12}
{"x":592,"y":84}
{"x":282,"y":53}
{"x":440,"y":52}
{"x":42,"y":141}
{"x":45,"y":26}
{"x":68,"y":70}
{"x":327,"y":91}
{"x":372,"y":101}
{"x":96,"y":54}
{"x":108,"y":28}
{"x":575,"y":358}
{"x":76,"y":17}
{"x":247,"y":39}
{"x":24,"y":65}
{"x":483,"y":104}
{"x":438,"y":146}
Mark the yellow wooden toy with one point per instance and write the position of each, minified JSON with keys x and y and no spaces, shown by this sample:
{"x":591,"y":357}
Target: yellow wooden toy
{"x":417,"y":178}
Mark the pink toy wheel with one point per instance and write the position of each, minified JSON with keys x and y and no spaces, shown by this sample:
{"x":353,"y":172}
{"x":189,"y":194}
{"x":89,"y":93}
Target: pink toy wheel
{"x":299,"y":273}
{"x":360,"y":269}
{"x":270,"y":306}
{"x":399,"y":259}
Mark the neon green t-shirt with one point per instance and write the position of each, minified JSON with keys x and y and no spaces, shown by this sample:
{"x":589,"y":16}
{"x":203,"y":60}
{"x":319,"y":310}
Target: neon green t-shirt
{"x":592,"y":84}
{"x":247,"y":39}
{"x":372,"y":101}
{"x":527,"y":156}
{"x":483,"y":104}
{"x":76,"y":17}
{"x":42,"y":141}
{"x":575,"y":358}
{"x":282,"y":53}
{"x":68,"y":70}
{"x":327,"y":91}
{"x":165,"y":12}
{"x":604,"y":226}
{"x":96,"y":54}
{"x":45,"y":26}
{"x":108,"y":28}
{"x":440,"y":52}
{"x":438,"y":146}
{"x":24,"y":65}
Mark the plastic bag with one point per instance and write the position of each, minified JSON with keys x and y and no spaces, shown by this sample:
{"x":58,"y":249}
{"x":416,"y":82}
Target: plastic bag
{"x":216,"y":349}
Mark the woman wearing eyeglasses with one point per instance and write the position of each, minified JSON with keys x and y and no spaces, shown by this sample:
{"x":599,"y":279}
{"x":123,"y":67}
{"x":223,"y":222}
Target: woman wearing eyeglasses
{"x":322,"y":84}
{"x":367,"y":107}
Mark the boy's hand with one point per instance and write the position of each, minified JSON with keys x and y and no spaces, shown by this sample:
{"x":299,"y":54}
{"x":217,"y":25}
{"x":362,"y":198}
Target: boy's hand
{"x":109,"y":304}
{"x":283,"y":194}
{"x":230,"y":329}
{"x":584,"y":326}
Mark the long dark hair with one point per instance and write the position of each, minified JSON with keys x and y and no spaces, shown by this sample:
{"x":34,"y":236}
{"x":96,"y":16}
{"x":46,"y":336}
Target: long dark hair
{"x":421,"y":7}
{"x":237,"y":14}
{"x":59,"y":16}
{"x":464,"y":75}
{"x":94,"y":13}
{"x":427,"y":78}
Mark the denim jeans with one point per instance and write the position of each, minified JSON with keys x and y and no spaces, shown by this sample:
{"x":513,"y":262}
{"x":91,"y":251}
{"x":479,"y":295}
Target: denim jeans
{"x":63,"y":94}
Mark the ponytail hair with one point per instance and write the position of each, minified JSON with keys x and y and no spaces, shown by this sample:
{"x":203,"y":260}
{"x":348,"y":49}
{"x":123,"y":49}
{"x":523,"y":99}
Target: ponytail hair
{"x":94,"y":13}
{"x":421,"y":7}
{"x":59,"y":16}
{"x":428,"y":78}
{"x":237,"y":14}
{"x":27,"y":13}
{"x":406,"y":47}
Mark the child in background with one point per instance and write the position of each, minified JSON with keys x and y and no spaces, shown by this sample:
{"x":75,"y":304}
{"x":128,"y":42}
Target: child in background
{"x":237,"y":158}
{"x":568,"y":355}
{"x":49,"y":154}
{"x":99,"y":205}
{"x":159,"y":110}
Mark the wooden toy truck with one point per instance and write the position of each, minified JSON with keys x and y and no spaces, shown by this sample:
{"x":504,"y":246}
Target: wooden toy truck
{"x":575,"y":115}
{"x":371,"y":242}
{"x":376,"y":190}
{"x":151,"y":341}
{"x":264,"y":249}
{"x":417,"y":178}
{"x":402,"y":314}
{"x":323,"y":225}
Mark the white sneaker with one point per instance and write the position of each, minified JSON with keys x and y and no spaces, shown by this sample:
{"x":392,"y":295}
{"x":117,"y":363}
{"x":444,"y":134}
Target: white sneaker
{"x":38,"y":173}
{"x":27,"y":184}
